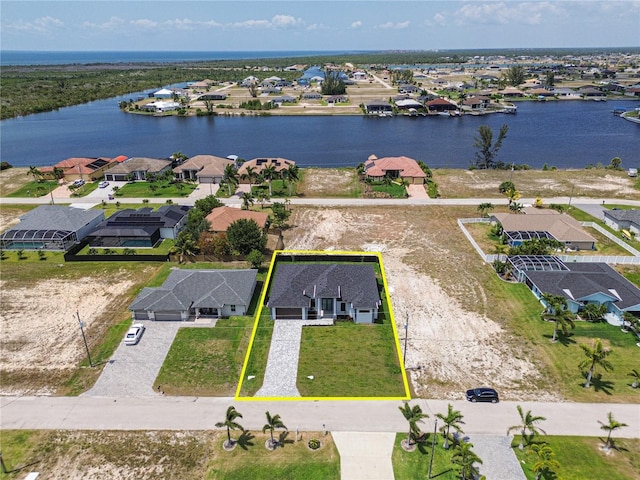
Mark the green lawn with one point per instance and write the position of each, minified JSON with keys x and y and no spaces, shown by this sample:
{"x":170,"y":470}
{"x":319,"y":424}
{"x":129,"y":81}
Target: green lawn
{"x":34,"y":189}
{"x":563,"y":357}
{"x":113,"y":206}
{"x":349,"y":360}
{"x":161,"y":249}
{"x":164,"y":189}
{"x":393,"y":189}
{"x":279,"y":189}
{"x":580,"y":458}
{"x":413,"y":465}
{"x":257,"y":361}
{"x":582,"y":216}
{"x":206,"y":361}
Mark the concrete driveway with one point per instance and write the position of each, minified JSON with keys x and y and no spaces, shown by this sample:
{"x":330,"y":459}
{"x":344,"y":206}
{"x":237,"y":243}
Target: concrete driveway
{"x":132,"y":369}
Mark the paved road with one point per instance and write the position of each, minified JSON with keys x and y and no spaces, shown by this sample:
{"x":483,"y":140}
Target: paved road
{"x":201,"y":413}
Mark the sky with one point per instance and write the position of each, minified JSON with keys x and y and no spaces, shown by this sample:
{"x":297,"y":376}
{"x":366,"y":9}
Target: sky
{"x":308,"y":25}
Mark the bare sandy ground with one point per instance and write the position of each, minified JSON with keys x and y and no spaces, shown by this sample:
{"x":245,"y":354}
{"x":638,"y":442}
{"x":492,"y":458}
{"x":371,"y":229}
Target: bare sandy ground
{"x":449,"y":348}
{"x":39,"y":325}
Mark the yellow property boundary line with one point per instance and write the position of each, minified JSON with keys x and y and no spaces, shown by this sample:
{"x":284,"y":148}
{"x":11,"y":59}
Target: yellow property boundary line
{"x":327,"y":253}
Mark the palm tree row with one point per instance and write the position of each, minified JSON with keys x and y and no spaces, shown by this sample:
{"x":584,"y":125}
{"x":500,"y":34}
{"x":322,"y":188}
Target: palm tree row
{"x":269,"y":173}
{"x":274,"y":422}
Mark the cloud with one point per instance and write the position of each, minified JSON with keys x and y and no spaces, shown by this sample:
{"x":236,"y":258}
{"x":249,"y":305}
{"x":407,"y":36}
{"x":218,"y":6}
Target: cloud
{"x":356,"y":24}
{"x":277,"y":21}
{"x":111,"y":24}
{"x":285,"y":21}
{"x":503,"y":13}
{"x":38,"y":25}
{"x":144,"y":23}
{"x":394,"y":26}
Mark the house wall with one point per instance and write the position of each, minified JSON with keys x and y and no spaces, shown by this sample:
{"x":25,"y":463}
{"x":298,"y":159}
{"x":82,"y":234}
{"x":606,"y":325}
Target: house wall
{"x":89,"y":227}
{"x":615,"y":224}
{"x":240,"y":310}
{"x":365,"y":316}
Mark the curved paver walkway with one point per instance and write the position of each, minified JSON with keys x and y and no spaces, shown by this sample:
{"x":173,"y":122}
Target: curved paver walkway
{"x":281,"y":374}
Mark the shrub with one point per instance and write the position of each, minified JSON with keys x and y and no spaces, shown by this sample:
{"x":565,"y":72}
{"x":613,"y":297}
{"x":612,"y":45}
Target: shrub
{"x":314,"y":444}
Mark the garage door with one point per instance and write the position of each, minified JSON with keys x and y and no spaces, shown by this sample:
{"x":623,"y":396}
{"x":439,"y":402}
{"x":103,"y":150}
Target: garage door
{"x":288,"y":313}
{"x":168,"y":316}
{"x":140,"y":315}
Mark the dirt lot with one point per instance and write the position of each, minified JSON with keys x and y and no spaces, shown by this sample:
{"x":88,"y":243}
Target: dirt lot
{"x":456,"y":339}
{"x":597,"y":183}
{"x":13,"y":178}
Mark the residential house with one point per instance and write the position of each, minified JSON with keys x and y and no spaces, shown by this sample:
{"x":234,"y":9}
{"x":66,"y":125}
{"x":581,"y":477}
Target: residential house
{"x":142,"y":228}
{"x":476,"y":103}
{"x":84,"y":168}
{"x":137,"y":168}
{"x":221,"y":217}
{"x":312,"y":96}
{"x":160,"y":106}
{"x":583,"y":283}
{"x":163,"y":93}
{"x":378,"y":107}
{"x":440,"y":105}
{"x":621,"y":220}
{"x":259,"y":164}
{"x":310,"y":291}
{"x":203,"y":168}
{"x":408,"y":104}
{"x":217,"y":96}
{"x":544,"y":223}
{"x":404,"y":168}
{"x":51,"y":227}
{"x":187,"y":295}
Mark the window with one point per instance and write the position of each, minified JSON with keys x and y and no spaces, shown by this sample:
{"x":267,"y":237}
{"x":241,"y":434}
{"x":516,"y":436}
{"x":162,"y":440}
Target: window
{"x":343,"y":307}
{"x":232,"y":307}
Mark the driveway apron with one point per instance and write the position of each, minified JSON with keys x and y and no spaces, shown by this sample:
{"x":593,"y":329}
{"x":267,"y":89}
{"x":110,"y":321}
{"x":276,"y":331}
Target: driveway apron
{"x":499,"y":462}
{"x":365,"y":455}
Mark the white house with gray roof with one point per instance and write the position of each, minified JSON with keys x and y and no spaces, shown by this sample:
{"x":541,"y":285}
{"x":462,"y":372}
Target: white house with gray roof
{"x":623,"y":220}
{"x":51,"y":227}
{"x":190,"y":294}
{"x":311,"y":291}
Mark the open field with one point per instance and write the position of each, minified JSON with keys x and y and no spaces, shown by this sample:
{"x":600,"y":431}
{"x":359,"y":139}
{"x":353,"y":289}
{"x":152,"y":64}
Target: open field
{"x":332,"y":182}
{"x":596,"y":183}
{"x":74,"y":455}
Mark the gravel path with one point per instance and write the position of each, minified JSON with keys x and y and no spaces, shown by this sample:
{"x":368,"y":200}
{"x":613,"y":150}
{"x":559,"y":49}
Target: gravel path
{"x":282,"y":365}
{"x":499,"y":461}
{"x":132,"y":369}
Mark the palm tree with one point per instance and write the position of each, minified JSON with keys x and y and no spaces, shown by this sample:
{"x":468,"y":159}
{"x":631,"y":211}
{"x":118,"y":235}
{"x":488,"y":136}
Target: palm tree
{"x":230,"y":177}
{"x":596,"y":356}
{"x":250,"y":174}
{"x":293,"y":175}
{"x":230,"y":423}
{"x":610,"y":427}
{"x":594,"y":312}
{"x":453,"y":418}
{"x":636,"y":378}
{"x":185,"y":246}
{"x":273,"y":423}
{"x":270,"y":173}
{"x":527,"y":424}
{"x":546,"y":465}
{"x":466,"y":458}
{"x":484,"y":208}
{"x":35,"y":173}
{"x":247,"y":200}
{"x":414,"y":416}
{"x":557,"y":312}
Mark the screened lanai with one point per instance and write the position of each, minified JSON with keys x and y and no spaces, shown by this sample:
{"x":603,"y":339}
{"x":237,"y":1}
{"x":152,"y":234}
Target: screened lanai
{"x":37,"y":239}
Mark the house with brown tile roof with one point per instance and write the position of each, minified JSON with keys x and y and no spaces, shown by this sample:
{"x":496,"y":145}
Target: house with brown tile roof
{"x":536,"y":222}
{"x":404,"y":168}
{"x":259,"y":164}
{"x":203,"y":168}
{"x":85,"y":168}
{"x":221,"y":217}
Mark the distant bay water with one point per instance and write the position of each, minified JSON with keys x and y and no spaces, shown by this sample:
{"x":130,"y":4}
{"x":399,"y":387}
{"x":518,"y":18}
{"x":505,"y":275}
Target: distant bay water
{"x":26,"y":57}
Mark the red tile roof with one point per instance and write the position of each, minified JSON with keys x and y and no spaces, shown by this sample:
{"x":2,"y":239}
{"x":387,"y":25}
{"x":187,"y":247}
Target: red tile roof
{"x":407,"y":167}
{"x":221,"y":217}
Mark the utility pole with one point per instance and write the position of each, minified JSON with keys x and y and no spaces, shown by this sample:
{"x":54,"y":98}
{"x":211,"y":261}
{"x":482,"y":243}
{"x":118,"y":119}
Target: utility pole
{"x":433,"y":448}
{"x":570,"y":198}
{"x":84,"y":338}
{"x":406,"y":336}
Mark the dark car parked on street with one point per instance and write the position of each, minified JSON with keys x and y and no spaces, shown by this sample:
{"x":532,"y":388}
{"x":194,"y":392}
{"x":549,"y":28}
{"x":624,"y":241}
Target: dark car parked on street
{"x":482,"y":394}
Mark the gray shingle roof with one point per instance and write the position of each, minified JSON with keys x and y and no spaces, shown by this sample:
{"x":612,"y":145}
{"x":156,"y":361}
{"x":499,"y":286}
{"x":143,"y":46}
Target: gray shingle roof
{"x":57,"y":217}
{"x":585,"y":279}
{"x":185,"y":289}
{"x":624,"y":215}
{"x":294,"y":284}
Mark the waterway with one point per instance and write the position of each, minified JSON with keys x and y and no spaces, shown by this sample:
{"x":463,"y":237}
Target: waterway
{"x":564,"y":134}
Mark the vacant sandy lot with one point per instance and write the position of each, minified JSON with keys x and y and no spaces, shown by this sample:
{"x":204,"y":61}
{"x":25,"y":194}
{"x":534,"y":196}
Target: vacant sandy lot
{"x":451,"y":347}
{"x":596,"y":183}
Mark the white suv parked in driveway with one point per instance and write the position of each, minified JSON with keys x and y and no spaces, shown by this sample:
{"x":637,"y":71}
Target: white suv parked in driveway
{"x":78,"y":183}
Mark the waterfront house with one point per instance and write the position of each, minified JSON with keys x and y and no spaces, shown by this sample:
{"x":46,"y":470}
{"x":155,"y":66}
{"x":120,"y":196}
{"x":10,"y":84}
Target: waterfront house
{"x":302,"y":291}
{"x":143,"y":227}
{"x":51,"y":227}
{"x":259,"y":164}
{"x":221,"y":218}
{"x":163,"y":93}
{"x":218,"y":96}
{"x":137,"y":168}
{"x":203,"y":168}
{"x":408,"y":104}
{"x":83,"y":168}
{"x":188,"y":295}
{"x":440,"y":105}
{"x":311,"y":96}
{"x":378,"y":107}
{"x":511,"y":92}
{"x":404,"y":168}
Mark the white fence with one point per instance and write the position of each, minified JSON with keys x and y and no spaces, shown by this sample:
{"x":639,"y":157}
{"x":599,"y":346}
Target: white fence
{"x":611,"y":259}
